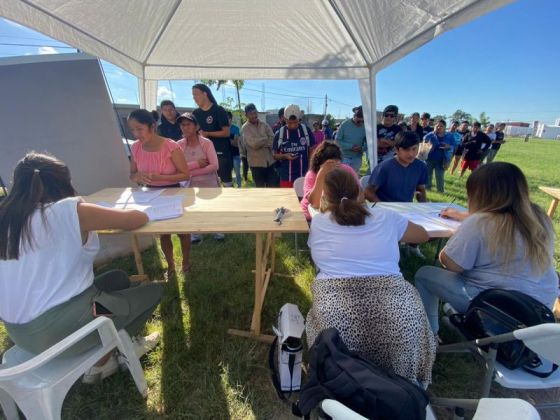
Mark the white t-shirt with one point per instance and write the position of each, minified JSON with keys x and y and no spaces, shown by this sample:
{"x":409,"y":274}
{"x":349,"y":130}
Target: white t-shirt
{"x":352,"y":251}
{"x":56,"y":269}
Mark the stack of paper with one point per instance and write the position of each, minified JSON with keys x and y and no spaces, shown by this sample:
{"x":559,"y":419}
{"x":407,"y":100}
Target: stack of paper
{"x":149,"y":202}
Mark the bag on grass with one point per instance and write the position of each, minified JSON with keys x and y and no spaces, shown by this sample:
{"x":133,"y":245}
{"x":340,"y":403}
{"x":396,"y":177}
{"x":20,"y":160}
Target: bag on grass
{"x":499,"y":311}
{"x":286,"y":352}
{"x":337,"y":373}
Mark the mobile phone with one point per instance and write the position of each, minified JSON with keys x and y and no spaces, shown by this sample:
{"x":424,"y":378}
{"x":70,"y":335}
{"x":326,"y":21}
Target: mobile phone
{"x":100,"y":310}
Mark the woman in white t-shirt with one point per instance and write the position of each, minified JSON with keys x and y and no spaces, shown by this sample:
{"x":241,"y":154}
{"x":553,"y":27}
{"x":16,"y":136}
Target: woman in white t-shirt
{"x":48,"y":243}
{"x":359,"y":289}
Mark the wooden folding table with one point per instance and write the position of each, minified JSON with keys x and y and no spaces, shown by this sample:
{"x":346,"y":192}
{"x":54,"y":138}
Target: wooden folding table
{"x":228,"y":210}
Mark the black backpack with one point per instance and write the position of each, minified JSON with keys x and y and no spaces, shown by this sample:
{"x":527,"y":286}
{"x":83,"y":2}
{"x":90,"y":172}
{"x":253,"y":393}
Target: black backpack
{"x":499,"y":311}
{"x":337,"y":373}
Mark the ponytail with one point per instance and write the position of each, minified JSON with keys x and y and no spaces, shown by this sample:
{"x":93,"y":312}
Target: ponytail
{"x":342,"y":198}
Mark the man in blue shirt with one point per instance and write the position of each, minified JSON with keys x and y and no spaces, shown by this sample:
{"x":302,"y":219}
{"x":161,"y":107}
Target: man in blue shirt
{"x":401,"y":178}
{"x":437,"y":158}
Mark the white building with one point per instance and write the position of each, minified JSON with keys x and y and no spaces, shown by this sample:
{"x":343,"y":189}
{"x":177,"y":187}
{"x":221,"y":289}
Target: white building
{"x":545,"y":131}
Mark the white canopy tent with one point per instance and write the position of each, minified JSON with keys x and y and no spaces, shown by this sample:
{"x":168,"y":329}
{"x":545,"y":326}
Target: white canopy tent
{"x":248,"y":39}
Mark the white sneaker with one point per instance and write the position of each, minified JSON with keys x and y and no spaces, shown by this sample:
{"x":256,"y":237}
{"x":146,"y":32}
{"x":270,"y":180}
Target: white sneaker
{"x":96,"y":374}
{"x":196,"y":239}
{"x":143,"y":345}
{"x":219,"y":236}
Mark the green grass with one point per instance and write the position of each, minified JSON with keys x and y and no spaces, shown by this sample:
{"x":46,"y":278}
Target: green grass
{"x":199,"y":371}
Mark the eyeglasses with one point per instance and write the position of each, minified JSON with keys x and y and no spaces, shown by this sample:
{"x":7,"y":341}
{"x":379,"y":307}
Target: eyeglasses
{"x":389,"y":115}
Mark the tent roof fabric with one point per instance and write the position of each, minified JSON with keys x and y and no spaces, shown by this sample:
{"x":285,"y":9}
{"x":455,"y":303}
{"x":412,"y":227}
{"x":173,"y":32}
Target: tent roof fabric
{"x":246,"y":39}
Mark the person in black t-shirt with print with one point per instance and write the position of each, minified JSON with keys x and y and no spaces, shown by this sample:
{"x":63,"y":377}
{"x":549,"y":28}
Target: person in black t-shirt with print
{"x":415,"y":126}
{"x":474,"y":143}
{"x":386,"y":133}
{"x":214,"y":125}
{"x":425,"y":123}
{"x":291,"y":147}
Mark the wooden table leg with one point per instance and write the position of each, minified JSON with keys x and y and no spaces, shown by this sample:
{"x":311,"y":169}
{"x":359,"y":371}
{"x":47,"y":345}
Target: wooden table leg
{"x":138,"y":259}
{"x":552,"y":208}
{"x":262,"y":277}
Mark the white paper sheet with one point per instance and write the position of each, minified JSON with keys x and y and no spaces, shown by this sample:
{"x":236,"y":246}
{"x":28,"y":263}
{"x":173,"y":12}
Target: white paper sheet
{"x":139,"y":196}
{"x":160,"y":208}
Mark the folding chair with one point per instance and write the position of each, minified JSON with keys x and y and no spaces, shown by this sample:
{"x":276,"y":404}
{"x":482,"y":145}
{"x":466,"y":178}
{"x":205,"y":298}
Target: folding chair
{"x":38,"y":384}
{"x":485,"y":409}
{"x":543,"y":339}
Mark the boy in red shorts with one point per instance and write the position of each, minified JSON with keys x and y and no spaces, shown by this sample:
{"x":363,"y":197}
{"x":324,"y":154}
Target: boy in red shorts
{"x":473,"y":144}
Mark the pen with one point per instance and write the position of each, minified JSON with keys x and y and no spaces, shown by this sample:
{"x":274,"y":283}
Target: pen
{"x":373,"y":205}
{"x":450,"y":204}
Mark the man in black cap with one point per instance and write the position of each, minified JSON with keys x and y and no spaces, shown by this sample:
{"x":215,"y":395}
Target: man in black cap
{"x":386,"y":133}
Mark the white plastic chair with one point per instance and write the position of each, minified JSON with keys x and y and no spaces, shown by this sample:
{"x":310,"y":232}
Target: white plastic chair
{"x":364,"y":181}
{"x":486,"y":409}
{"x":298,"y":188}
{"x":543,"y":339}
{"x":38,"y":384}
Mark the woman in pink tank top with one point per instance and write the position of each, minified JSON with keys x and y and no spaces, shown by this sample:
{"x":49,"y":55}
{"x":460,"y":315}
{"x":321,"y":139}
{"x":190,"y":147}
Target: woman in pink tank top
{"x":158,"y":162}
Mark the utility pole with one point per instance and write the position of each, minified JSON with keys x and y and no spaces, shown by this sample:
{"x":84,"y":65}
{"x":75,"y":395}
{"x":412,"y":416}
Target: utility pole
{"x":263,"y":108}
{"x":326,"y":99}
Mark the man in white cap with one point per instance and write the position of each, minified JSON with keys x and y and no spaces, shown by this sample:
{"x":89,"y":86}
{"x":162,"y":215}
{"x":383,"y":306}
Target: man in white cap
{"x":291,"y":147}
{"x":327,"y":130}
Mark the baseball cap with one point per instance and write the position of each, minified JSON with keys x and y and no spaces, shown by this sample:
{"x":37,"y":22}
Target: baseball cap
{"x":325,"y":122}
{"x":358,"y":112}
{"x":391,"y":109}
{"x":292,"y":110}
{"x":187,"y":116}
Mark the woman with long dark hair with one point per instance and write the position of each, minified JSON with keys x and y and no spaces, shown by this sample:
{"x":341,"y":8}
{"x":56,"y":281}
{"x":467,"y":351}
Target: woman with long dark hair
{"x":214,"y":125}
{"x":359,"y":289}
{"x":505,"y":241}
{"x":157,"y":162}
{"x":326,"y":157}
{"x":48,"y":243}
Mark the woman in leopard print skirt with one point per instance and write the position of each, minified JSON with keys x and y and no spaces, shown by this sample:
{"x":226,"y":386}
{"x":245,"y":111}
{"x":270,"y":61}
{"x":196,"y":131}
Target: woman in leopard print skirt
{"x":359,"y":289}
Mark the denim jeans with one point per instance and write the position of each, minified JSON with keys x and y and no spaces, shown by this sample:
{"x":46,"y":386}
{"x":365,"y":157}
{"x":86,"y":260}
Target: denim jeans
{"x":354,"y":161}
{"x":435,"y":284}
{"x":237,"y":168}
{"x":438,"y":167}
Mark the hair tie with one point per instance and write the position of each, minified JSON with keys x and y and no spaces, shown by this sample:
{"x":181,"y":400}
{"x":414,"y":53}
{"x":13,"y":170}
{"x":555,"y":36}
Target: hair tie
{"x":343,"y":198}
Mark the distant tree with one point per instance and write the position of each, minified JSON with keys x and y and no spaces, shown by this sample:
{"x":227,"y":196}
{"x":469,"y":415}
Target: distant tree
{"x":484,"y":119}
{"x":331,"y":120}
{"x":440,"y":117}
{"x":229,"y":105}
{"x":238,"y":86}
{"x":460,"y":115}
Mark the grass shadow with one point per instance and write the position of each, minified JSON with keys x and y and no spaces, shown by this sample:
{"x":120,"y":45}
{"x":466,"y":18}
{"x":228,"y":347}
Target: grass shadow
{"x":236,"y":367}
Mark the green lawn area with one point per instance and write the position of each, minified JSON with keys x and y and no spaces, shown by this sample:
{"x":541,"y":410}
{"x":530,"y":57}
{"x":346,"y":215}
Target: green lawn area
{"x":199,"y":371}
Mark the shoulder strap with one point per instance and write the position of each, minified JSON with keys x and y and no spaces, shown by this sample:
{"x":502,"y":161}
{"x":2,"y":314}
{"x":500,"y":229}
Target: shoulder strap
{"x":281,"y":131}
{"x":305,"y":133}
